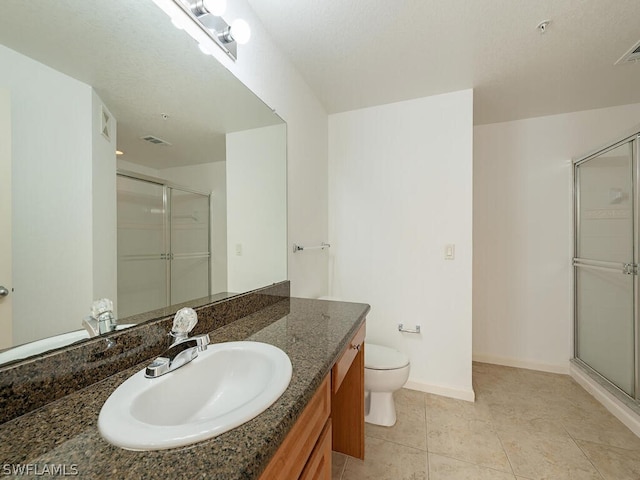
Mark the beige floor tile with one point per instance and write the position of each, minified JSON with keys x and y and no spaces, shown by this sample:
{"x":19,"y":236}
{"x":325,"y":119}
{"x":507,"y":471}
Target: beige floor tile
{"x":529,"y":414}
{"x":550,"y":427}
{"x":599,"y":426}
{"x":444,"y":468}
{"x":446,"y":411}
{"x":473,"y":441}
{"x":411,"y":427}
{"x":613,"y":463}
{"x":541,"y":456}
{"x":387,"y":461}
{"x":404,"y":396}
{"x":338,"y":461}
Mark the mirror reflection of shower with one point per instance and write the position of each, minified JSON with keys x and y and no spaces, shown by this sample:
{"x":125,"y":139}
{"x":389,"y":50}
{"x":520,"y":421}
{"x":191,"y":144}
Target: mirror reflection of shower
{"x":164,"y":245}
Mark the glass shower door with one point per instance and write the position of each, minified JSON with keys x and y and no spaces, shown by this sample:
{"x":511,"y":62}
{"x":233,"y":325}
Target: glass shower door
{"x":142,"y":246}
{"x":605,"y":265}
{"x":190,"y":257}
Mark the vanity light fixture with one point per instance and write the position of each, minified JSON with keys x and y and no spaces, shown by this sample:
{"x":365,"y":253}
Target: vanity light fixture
{"x":202,"y":20}
{"x":214,"y":7}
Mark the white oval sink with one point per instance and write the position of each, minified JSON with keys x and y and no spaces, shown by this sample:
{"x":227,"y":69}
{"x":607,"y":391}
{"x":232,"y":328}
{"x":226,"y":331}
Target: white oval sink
{"x":225,"y":386}
{"x":49,"y":343}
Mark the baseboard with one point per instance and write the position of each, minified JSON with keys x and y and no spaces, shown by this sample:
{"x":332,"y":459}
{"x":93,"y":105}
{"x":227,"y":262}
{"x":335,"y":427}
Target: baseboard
{"x":518,"y":363}
{"x":468,"y":395}
{"x":617,"y":408}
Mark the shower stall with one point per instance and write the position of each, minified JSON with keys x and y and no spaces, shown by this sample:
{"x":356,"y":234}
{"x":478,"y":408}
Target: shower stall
{"x":606,"y":251}
{"x":164,"y":244}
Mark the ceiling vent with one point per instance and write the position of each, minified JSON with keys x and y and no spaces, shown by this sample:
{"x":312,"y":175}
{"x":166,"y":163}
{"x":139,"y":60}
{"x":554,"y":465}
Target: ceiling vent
{"x":632,"y":56}
{"x":155,"y":140}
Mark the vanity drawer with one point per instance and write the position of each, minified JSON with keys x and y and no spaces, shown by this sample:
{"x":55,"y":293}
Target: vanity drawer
{"x":343,"y":364}
{"x":291,"y":458}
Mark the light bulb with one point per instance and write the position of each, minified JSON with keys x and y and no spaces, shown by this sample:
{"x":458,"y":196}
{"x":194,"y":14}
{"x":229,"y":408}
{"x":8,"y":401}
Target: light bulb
{"x":178,"y":23}
{"x":204,"y":49}
{"x":240,"y":31}
{"x":215,"y":7}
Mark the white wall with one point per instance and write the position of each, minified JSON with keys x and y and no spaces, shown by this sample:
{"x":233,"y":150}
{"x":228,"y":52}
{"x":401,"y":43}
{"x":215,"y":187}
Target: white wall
{"x":400,"y":189}
{"x":270,"y":75}
{"x":522,"y":297}
{"x":52,"y":197}
{"x":103,"y":215}
{"x":256,"y":208}
{"x":6,"y":318}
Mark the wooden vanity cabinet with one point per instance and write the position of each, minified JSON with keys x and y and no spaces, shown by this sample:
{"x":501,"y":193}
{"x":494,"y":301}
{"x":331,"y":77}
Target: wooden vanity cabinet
{"x":302,"y":441}
{"x":332,"y":420}
{"x":347,"y":398}
{"x":319,"y":465}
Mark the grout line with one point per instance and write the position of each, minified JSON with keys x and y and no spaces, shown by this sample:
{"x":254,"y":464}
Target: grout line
{"x":426,"y":435}
{"x":476,"y":464}
{"x":395,"y":443}
{"x":585,"y":454}
{"x":506,"y":454}
{"x":344,"y":467}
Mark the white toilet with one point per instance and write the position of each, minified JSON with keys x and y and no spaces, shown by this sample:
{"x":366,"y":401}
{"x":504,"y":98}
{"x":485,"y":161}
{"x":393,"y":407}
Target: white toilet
{"x":385,"y":371}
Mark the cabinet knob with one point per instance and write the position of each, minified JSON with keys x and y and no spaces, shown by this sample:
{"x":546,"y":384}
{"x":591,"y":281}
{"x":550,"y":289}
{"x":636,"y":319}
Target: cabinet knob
{"x":356,"y":347}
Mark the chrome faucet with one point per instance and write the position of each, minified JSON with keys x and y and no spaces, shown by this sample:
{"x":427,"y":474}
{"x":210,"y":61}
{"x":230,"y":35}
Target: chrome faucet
{"x":101,"y":319}
{"x":183,"y":348}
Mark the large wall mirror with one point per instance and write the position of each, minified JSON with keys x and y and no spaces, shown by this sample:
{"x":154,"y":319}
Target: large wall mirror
{"x":193,"y":208}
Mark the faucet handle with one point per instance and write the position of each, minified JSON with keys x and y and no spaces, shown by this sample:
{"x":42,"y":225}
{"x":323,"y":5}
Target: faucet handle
{"x":184,"y":321}
{"x":101,"y":306}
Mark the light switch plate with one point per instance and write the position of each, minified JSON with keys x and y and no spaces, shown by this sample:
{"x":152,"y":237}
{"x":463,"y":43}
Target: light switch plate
{"x":449,"y":251}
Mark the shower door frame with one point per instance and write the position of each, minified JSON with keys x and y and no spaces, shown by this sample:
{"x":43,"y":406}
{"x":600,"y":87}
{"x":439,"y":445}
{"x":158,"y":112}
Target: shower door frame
{"x":634,"y":140}
{"x":167,"y":223}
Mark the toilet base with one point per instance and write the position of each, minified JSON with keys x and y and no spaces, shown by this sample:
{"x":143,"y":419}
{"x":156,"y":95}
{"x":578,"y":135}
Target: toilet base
{"x":379,"y":408}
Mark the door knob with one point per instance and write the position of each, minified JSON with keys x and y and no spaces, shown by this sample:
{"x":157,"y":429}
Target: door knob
{"x":3,"y":291}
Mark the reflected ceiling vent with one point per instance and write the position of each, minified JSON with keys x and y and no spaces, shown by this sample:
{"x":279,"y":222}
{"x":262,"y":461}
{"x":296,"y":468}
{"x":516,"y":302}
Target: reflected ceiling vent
{"x":632,"y":56}
{"x":155,"y":140}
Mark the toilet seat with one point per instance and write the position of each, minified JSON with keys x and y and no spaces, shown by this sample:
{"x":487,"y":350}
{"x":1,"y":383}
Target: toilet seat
{"x":377,"y":357}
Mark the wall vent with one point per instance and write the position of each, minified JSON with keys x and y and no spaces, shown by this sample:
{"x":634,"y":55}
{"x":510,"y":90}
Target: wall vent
{"x":105,"y":123}
{"x":155,"y":140}
{"x":632,"y":55}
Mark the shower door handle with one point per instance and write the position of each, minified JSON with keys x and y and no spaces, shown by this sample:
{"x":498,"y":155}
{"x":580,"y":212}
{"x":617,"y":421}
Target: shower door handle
{"x":624,"y":268}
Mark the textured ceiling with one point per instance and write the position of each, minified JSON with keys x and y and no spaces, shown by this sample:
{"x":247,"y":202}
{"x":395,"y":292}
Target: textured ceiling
{"x":360,"y":53}
{"x":141,"y":66}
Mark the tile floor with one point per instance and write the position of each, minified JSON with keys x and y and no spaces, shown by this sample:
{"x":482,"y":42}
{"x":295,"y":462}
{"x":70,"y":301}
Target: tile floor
{"x":524,"y":425}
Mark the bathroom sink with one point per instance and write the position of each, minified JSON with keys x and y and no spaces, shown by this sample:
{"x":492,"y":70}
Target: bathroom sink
{"x":225,"y":386}
{"x":46,"y":344}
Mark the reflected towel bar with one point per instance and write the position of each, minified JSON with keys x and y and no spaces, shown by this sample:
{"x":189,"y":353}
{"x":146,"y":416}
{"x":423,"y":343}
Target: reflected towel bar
{"x":299,"y":248}
{"x":402,"y":329}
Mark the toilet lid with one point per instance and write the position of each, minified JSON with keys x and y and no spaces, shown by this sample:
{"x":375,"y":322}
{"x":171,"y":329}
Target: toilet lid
{"x":377,"y":357}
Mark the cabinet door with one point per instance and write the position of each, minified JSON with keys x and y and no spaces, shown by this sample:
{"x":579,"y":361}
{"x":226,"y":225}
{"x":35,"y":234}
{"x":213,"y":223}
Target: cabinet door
{"x":319,"y":464}
{"x":347,"y":400}
{"x":292,"y":456}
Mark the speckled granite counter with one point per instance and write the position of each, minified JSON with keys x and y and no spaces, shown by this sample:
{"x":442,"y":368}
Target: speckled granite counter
{"x":312,"y":332}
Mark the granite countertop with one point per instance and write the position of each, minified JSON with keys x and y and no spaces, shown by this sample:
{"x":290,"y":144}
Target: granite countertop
{"x":64,"y":434}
